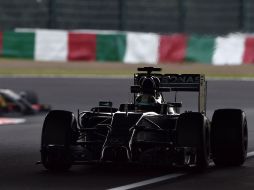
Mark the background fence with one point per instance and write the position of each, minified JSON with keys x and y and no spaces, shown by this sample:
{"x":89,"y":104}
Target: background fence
{"x":162,"y":16}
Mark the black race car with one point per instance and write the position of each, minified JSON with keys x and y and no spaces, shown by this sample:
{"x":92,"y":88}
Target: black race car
{"x":149,"y":131}
{"x":25,"y":103}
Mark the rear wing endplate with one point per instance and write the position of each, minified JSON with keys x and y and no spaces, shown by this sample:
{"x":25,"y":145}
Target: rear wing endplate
{"x":185,"y":83}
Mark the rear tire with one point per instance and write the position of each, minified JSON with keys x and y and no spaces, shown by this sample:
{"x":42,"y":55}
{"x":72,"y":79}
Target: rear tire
{"x":193,"y":131}
{"x":58,"y":133}
{"x":229,"y":137}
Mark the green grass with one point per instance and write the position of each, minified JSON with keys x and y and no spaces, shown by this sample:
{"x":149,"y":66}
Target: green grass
{"x":62,"y":72}
{"x":14,"y":67}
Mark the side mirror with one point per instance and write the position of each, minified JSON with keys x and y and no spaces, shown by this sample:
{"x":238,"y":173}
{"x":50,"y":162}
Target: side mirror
{"x":175,"y":105}
{"x":105,"y":104}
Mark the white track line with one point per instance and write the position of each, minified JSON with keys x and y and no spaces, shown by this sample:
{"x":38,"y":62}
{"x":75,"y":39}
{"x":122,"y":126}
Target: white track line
{"x":149,"y":181}
{"x":159,"y":179}
{"x":250,"y":154}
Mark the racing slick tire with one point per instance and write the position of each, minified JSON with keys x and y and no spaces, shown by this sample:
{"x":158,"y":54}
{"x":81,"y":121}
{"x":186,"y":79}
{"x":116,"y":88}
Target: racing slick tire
{"x":59,"y":132}
{"x":229,"y":137}
{"x":193,"y":130}
{"x":30,"y":96}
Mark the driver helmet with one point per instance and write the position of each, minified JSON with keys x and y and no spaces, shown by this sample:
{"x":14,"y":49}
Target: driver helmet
{"x":149,"y":85}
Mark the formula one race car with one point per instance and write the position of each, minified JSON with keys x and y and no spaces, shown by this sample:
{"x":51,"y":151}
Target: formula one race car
{"x":148,"y":131}
{"x":25,"y":102}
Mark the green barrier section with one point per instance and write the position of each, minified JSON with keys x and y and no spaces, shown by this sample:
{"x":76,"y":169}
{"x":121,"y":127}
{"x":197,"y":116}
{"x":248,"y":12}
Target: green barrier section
{"x":110,"y":47}
{"x":200,"y":49}
{"x":1,"y":43}
{"x":19,"y":45}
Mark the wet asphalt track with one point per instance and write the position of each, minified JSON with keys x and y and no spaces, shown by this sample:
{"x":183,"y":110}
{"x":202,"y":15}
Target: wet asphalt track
{"x":19,"y":144}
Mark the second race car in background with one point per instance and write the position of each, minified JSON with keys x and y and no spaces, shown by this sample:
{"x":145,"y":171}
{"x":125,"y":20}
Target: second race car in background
{"x":25,"y":103}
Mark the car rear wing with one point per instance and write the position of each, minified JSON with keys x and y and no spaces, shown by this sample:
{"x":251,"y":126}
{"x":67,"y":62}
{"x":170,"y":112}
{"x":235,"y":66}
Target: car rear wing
{"x":183,"y":82}
{"x":187,"y":83}
{"x":179,"y":82}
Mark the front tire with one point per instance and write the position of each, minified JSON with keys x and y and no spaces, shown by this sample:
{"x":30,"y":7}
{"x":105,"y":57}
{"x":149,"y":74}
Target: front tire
{"x":58,"y":133}
{"x":229,"y":137}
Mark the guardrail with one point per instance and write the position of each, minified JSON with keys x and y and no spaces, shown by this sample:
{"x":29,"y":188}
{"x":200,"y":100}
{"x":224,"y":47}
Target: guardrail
{"x":215,"y":17}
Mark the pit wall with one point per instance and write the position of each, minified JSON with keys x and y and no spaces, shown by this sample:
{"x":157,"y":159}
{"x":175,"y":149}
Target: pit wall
{"x":126,"y":47}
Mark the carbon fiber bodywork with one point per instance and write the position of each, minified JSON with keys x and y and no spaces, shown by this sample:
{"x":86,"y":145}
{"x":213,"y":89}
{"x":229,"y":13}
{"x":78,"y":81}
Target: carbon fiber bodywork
{"x":148,"y":131}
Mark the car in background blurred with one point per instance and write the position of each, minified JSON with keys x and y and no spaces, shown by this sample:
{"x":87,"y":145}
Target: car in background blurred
{"x":24,"y":103}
